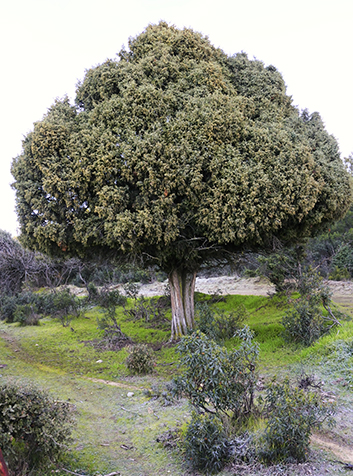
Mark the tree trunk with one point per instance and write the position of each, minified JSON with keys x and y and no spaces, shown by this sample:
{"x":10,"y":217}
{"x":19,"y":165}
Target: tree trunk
{"x":182,"y":288}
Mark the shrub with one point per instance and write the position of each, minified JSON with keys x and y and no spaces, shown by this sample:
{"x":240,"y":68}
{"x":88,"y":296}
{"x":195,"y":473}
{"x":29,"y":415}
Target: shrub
{"x":293,"y":414}
{"x":8,"y":308}
{"x":152,"y":311}
{"x":215,"y":379}
{"x":34,"y":428}
{"x":205,"y":443}
{"x":66,"y":306}
{"x":280,"y":268}
{"x":45,"y":303}
{"x":306,"y":322}
{"x":218,"y":324}
{"x":141,"y":359}
{"x":20,"y":305}
{"x":343,"y":259}
{"x":26,"y":315}
{"x":109,"y":301}
{"x":340,"y":274}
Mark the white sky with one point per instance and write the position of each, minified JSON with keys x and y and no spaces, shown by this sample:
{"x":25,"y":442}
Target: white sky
{"x":46,"y":45}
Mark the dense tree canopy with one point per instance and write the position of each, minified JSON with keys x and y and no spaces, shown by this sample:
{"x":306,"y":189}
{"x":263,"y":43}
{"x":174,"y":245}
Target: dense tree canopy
{"x":181,"y":153}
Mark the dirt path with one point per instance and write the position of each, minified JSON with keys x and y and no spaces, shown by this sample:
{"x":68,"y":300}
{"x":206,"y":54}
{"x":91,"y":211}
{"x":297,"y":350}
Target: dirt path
{"x":342,"y":290}
{"x":342,"y":452}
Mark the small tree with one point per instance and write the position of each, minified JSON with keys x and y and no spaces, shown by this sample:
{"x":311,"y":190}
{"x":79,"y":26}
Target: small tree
{"x":179,"y":153}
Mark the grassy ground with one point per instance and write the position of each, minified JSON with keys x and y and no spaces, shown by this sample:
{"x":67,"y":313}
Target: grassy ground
{"x":118,"y":433}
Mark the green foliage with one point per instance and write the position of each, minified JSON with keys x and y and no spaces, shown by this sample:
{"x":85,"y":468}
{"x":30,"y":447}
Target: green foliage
{"x":279,"y":268}
{"x":109,"y":300}
{"x":26,"y":315}
{"x":343,"y":259}
{"x":306,"y":322}
{"x":293,"y":414}
{"x":66,"y":306}
{"x":24,"y":303}
{"x":141,"y":359}
{"x":27,"y":306}
{"x":216,"y":380}
{"x":152,"y":310}
{"x":8,"y":307}
{"x":218,"y":324}
{"x":34,"y":428}
{"x":340,"y":274}
{"x":174,"y":148}
{"x":205,"y":443}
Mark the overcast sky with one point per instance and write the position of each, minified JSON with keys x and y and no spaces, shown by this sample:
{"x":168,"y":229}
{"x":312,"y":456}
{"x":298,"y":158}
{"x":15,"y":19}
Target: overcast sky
{"x":46,"y":46}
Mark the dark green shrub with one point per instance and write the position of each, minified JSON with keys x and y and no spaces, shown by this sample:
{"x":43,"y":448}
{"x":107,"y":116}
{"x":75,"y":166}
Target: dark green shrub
{"x":45,"y":303}
{"x":28,"y":299}
{"x":303,"y":324}
{"x":109,"y":300}
{"x":343,"y":259}
{"x":34,"y":428}
{"x":66,"y":306}
{"x":217,"y":324}
{"x":293,"y":414}
{"x":306,"y":321}
{"x":93,"y":292}
{"x":152,"y":310}
{"x":205,"y":443}
{"x":215,"y":379}
{"x":340,"y":274}
{"x":8,"y":307}
{"x":26,"y":315}
{"x":141,"y":359}
{"x":279,"y":268}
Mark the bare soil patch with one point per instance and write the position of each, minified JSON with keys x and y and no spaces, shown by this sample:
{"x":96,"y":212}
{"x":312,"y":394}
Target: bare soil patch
{"x":342,"y":452}
{"x":342,"y":290}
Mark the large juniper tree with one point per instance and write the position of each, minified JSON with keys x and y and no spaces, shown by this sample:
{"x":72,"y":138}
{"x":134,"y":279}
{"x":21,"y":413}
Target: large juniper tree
{"x":180,"y":153}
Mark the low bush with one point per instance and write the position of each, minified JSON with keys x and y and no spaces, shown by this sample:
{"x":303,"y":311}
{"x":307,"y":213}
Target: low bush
{"x":217,"y":324}
{"x":306,"y":322}
{"x":152,"y":311}
{"x":26,"y":315}
{"x":205,"y":443}
{"x":340,"y":274}
{"x":293,"y":414}
{"x":7,"y":308}
{"x":109,"y":300}
{"x":34,"y":428}
{"x":215,"y":379}
{"x":27,"y":304}
{"x":141,"y":359}
{"x":66,"y":306}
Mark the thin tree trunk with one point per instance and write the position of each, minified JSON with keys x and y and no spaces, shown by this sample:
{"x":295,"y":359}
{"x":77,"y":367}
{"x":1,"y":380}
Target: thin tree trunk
{"x":182,"y":289}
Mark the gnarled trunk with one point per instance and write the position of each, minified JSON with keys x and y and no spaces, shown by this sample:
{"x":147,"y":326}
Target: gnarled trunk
{"x":182,"y":288}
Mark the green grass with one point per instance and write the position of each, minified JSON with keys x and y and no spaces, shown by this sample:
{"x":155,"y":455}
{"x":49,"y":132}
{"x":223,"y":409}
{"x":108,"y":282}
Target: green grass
{"x":61,"y":360}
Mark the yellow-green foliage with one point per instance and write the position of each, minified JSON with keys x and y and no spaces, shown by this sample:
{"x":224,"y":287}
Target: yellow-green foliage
{"x":176,"y":149}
